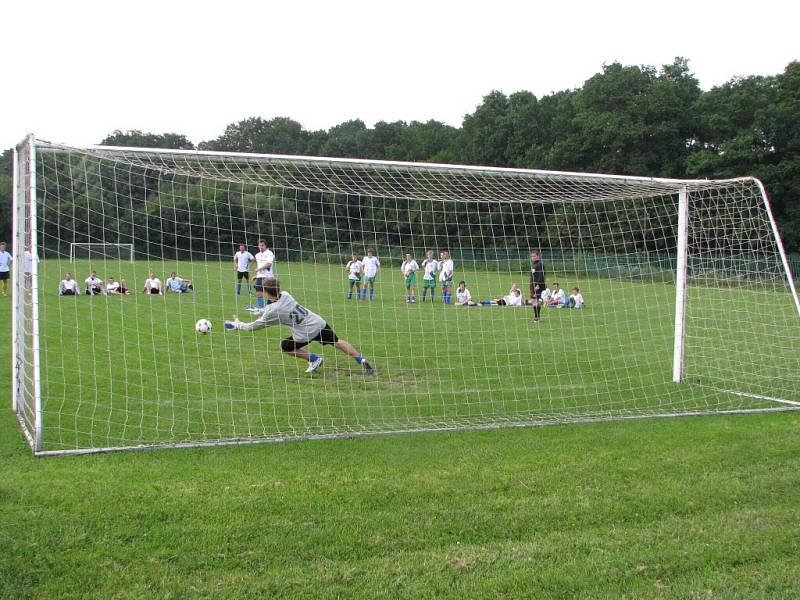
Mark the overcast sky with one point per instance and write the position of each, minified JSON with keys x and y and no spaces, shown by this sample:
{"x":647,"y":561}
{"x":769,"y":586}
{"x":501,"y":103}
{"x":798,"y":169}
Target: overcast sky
{"x":75,"y":70}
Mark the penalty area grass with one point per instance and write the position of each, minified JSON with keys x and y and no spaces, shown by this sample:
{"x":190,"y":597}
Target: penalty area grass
{"x":681,"y":507}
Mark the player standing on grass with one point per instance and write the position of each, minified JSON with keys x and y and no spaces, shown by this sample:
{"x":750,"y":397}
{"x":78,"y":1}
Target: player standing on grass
{"x":537,"y":284}
{"x":5,"y":272}
{"x":353,"y":269}
{"x":371,"y":267}
{"x":242,"y":260}
{"x":446,"y":276}
{"x":430,"y":266}
{"x":265,"y":260}
{"x":305,"y":325}
{"x":409,"y":269}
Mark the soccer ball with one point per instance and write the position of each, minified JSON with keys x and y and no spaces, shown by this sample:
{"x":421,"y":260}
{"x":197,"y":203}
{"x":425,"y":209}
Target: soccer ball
{"x":203,"y":326}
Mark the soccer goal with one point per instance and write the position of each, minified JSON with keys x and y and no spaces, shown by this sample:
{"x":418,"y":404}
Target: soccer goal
{"x":100,"y":251}
{"x":689,"y":305}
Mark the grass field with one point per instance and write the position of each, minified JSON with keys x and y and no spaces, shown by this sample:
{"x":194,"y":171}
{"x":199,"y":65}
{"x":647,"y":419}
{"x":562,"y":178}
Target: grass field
{"x":132,"y":371}
{"x":697,"y":507}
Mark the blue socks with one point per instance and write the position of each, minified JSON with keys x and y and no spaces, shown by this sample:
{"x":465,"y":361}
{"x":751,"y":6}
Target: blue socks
{"x":371,"y":293}
{"x":260,"y":301}
{"x":238,"y":288}
{"x":447,"y":297}
{"x":360,"y":358}
{"x":312,"y":358}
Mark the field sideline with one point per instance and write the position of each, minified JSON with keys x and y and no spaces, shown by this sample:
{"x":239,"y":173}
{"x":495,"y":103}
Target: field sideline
{"x":690,"y":507}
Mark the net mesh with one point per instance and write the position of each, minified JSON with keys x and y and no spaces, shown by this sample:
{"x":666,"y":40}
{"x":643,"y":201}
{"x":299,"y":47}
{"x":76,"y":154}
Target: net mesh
{"x":129,"y":370}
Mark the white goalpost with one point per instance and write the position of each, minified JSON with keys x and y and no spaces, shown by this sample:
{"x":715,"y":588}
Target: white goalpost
{"x":690,"y":303}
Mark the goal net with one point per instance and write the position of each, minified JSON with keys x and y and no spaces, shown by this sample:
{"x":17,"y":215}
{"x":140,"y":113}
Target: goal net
{"x":100,"y":251}
{"x":689,"y":306}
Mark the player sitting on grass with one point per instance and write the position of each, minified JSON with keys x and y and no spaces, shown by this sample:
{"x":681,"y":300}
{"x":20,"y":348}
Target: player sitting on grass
{"x":305,"y":325}
{"x":94,"y":285}
{"x":463,"y":297}
{"x":575,"y":299}
{"x":430,"y":266}
{"x":152,"y":285}
{"x":353,"y":269}
{"x":547,"y":293}
{"x":68,"y":286}
{"x":558,"y":299}
{"x":113,"y":288}
{"x":409,"y":269}
{"x":514,"y":298}
{"x":178,"y":285}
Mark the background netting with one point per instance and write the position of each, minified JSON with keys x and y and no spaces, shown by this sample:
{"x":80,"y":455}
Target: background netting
{"x":131,"y":371}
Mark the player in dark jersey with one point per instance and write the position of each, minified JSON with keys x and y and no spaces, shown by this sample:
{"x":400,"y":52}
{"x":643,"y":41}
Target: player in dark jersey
{"x":537,"y":284}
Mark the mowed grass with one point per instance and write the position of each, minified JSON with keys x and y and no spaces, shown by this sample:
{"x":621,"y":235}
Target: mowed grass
{"x":132,"y":371}
{"x":698,"y":507}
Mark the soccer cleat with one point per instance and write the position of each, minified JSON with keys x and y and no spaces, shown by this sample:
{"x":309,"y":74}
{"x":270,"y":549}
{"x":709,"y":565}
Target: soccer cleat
{"x":314,"y":365}
{"x":231,"y":325}
{"x":369,"y":369}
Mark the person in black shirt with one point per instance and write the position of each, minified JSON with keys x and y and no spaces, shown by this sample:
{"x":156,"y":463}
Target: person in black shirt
{"x":537,"y":284}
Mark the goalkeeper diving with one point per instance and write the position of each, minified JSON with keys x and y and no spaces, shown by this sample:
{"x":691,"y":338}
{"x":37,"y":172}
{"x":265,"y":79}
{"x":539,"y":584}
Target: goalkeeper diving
{"x":305,"y":325}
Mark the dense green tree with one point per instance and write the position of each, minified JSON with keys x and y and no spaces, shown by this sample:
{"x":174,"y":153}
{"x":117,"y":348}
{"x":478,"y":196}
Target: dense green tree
{"x":138,"y":139}
{"x":280,"y":135}
{"x":632,"y":120}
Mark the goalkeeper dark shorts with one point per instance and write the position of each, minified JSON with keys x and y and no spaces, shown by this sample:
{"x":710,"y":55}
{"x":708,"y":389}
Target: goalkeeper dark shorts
{"x":242,"y":275}
{"x":326,"y":337}
{"x":536,"y":290}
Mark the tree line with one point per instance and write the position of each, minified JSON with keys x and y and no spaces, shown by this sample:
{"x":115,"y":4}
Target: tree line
{"x":626,"y":120}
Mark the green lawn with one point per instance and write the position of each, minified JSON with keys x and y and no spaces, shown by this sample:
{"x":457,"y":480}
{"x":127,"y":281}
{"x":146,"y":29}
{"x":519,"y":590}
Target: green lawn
{"x":132,"y":371}
{"x":696,"y":507}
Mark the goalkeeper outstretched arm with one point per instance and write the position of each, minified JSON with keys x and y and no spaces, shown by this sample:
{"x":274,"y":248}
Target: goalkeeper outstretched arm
{"x":267,"y":319}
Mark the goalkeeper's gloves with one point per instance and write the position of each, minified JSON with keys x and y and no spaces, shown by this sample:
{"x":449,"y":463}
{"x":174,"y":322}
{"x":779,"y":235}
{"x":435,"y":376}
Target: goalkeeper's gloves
{"x":232,"y":325}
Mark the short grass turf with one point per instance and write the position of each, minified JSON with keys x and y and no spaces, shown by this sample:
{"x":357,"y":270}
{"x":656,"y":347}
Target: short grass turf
{"x":132,"y":371}
{"x":697,"y":507}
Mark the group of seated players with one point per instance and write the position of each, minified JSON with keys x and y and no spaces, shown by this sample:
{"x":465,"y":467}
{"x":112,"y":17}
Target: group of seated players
{"x":94,"y":286}
{"x":555,"y":298}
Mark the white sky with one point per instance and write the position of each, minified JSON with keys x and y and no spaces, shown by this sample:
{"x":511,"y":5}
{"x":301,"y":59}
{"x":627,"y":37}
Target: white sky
{"x":76,"y":70}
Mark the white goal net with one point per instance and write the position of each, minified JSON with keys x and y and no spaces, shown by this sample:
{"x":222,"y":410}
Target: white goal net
{"x":688,"y":304}
{"x":100,"y":251}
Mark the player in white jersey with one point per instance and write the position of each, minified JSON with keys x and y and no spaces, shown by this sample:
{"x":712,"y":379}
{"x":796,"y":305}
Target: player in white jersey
{"x":113,"y":288}
{"x":371,"y":267}
{"x":265,"y":260}
{"x":68,"y":286}
{"x":353,"y":269}
{"x":242,"y":260}
{"x":514,"y":298}
{"x":558,"y":298}
{"x":409,"y":270}
{"x":575,"y":299}
{"x":446,"y":276}
{"x":430,"y":267}
{"x":152,"y":285}
{"x":306,"y":327}
{"x":178,"y":284}
{"x":94,"y":285}
{"x":463,"y":297}
{"x":5,"y":272}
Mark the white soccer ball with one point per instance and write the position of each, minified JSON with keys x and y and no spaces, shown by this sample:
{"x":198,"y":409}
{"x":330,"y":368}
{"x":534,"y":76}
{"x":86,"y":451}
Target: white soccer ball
{"x":203,"y":326}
